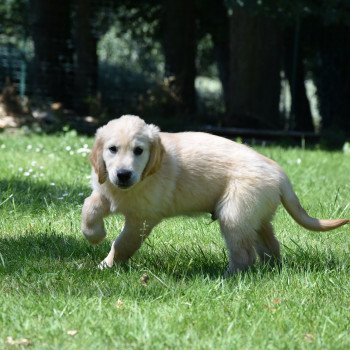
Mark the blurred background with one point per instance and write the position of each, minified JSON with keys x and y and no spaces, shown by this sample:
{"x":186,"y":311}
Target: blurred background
{"x":259,"y":67}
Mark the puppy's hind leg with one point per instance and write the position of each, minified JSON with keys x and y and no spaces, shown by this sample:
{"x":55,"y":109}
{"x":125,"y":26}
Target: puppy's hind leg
{"x":240,"y":248}
{"x":267,"y":245}
{"x":239,"y":236}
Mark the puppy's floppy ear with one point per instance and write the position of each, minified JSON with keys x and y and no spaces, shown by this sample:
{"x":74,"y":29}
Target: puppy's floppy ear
{"x":97,"y":161}
{"x":156,"y":151}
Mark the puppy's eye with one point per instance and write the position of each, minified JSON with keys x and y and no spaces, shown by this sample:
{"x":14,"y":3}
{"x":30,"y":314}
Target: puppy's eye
{"x":113,"y":149}
{"x":138,"y":151}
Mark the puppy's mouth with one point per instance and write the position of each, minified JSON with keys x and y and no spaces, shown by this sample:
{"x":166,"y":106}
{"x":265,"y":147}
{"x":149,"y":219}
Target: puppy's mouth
{"x":123,"y":186}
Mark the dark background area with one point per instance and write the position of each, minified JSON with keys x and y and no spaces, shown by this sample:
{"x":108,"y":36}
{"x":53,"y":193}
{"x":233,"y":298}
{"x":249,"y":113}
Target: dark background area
{"x":184,"y":64}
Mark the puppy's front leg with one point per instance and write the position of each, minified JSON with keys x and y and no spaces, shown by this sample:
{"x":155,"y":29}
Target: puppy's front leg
{"x":129,"y":241}
{"x":95,"y":208}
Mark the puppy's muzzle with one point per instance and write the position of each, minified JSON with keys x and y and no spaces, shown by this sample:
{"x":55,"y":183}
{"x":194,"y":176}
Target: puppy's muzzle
{"x":124,"y":178}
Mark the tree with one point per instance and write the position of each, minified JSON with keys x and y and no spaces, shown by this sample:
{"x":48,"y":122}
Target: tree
{"x":332,"y":76}
{"x":53,"y":63}
{"x":255,"y":64}
{"x":213,"y":18}
{"x":179,"y":43}
{"x":301,"y":118}
{"x":86,"y":55}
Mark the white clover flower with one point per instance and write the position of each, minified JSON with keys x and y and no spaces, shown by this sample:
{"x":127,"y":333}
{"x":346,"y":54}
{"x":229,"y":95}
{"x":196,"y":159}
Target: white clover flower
{"x":26,"y":173}
{"x":71,"y":153}
{"x":3,"y":146}
{"x":52,"y":184}
{"x":68,"y":148}
{"x":29,"y":147}
{"x":20,"y":170}
{"x":83,"y":150}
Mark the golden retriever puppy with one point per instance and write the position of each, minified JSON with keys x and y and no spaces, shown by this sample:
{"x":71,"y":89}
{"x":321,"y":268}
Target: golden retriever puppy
{"x":147,"y":175}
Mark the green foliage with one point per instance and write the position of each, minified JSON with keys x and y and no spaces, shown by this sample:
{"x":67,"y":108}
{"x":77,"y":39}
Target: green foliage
{"x":127,"y":69}
{"x":328,"y":11}
{"x":49,"y":283}
{"x":131,"y":70}
{"x":119,"y":48}
{"x":13,"y":19}
{"x":131,"y":60}
{"x":346,"y":148}
{"x":210,"y":100}
{"x":206,"y":64}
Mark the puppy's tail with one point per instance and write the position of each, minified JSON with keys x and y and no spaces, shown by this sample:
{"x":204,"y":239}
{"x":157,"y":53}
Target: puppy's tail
{"x":291,"y":202}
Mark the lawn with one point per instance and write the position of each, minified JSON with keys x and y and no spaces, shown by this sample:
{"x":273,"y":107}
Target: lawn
{"x":52,"y":294}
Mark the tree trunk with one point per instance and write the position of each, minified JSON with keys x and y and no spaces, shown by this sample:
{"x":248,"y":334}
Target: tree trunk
{"x":53,"y":62}
{"x":332,"y":78}
{"x":180,"y":50}
{"x":86,"y":59}
{"x":255,"y":64}
{"x":295,"y":73}
{"x":215,"y":20}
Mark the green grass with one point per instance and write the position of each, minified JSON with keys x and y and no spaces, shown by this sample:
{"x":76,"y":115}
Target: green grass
{"x":49,"y":283}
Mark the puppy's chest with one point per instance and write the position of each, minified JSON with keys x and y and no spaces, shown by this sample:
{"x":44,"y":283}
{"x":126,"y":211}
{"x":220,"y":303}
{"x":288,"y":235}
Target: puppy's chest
{"x":138,"y":205}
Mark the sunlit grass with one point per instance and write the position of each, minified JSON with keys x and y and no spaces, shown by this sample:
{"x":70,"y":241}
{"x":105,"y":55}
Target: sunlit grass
{"x":52,"y":294}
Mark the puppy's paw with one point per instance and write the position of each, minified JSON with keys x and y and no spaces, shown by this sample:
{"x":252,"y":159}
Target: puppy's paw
{"x":94,"y":234}
{"x":105,"y":264}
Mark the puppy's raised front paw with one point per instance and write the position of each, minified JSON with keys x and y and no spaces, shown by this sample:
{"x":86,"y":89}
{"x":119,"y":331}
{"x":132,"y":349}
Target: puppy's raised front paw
{"x":94,"y":234}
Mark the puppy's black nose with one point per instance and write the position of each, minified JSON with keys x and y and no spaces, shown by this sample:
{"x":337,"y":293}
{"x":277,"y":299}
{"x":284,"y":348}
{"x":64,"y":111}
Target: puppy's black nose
{"x":124,"y":175}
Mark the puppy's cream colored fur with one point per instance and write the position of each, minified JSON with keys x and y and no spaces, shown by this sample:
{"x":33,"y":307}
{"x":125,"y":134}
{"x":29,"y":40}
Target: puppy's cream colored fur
{"x":186,"y":173}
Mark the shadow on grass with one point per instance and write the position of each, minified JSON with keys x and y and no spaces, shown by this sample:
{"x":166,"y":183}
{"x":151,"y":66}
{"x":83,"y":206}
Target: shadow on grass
{"x":51,"y":251}
{"x":34,"y":196}
{"x":39,"y":254}
{"x":182,"y":266}
{"x":182,"y":262}
{"x":311,"y":259}
{"x":49,"y":248}
{"x":46,"y":247}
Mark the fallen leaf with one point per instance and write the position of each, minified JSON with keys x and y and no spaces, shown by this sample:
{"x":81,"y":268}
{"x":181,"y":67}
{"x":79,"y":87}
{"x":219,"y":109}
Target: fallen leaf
{"x":22,"y":341}
{"x":309,"y":337}
{"x":72,"y":332}
{"x":144,"y":279}
{"x":119,"y":304}
{"x":276,"y":301}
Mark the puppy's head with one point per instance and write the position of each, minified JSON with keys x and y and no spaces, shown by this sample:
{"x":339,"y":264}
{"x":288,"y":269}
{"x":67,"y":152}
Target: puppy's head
{"x":126,"y":151}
